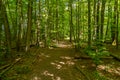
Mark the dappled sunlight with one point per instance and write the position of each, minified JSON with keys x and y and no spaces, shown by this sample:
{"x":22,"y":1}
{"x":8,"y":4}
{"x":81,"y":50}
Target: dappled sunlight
{"x":66,"y":57}
{"x":110,"y":69}
{"x":60,"y":64}
{"x":61,"y":44}
{"x":46,"y":73}
{"x":42,"y":55}
{"x":51,"y":75}
{"x":57,"y":66}
{"x":83,"y":66}
{"x":36,"y":78}
{"x":64,"y":46}
{"x":56,"y":78}
{"x":70,"y":63}
{"x":68,"y":60}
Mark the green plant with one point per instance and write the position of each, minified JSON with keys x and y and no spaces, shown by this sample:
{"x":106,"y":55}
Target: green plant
{"x":22,"y":69}
{"x":97,"y":53}
{"x":98,"y":76}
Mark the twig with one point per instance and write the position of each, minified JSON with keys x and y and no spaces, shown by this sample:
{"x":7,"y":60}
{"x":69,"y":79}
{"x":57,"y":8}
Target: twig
{"x":4,"y":67}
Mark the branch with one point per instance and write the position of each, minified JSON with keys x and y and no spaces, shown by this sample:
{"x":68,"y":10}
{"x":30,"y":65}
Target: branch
{"x":8,"y":67}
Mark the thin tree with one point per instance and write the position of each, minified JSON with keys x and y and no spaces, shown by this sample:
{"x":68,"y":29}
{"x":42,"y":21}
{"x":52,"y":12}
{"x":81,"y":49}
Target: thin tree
{"x":102,"y":18}
{"x":18,"y":44}
{"x":29,"y":25}
{"x":38,"y":23}
{"x":6,"y":26}
{"x":71,"y":18}
{"x":0,"y":26}
{"x":89,"y":23}
{"x":116,"y":18}
{"x":97,"y":20}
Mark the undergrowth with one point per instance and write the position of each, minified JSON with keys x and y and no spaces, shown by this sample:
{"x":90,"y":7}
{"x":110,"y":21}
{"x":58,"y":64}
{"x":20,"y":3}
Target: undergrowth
{"x":96,"y":53}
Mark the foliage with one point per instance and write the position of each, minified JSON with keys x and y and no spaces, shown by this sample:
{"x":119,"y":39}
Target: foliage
{"x":24,"y":69}
{"x":98,"y":76}
{"x":96,"y":53}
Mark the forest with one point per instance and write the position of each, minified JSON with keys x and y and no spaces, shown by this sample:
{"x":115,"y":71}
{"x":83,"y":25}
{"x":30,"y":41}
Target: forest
{"x":59,"y":40}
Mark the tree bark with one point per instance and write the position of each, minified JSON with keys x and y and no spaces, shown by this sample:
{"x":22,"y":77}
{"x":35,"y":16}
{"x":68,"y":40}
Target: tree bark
{"x":71,"y":19}
{"x":97,"y":20}
{"x":102,"y":18}
{"x":89,"y":23}
{"x":29,"y":25}
{"x":18,"y":44}
{"x":6,"y":26}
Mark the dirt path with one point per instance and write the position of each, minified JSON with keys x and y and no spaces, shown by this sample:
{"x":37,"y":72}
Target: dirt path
{"x":59,"y":64}
{"x":54,"y":64}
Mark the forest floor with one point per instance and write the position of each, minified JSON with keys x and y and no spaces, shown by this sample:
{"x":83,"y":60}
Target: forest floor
{"x":59,"y":64}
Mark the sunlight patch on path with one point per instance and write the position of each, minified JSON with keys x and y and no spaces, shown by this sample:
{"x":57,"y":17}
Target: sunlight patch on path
{"x":36,"y":78}
{"x":66,"y":57}
{"x":64,"y":62}
{"x":109,"y":69}
{"x":48,"y":74}
{"x":58,"y":66}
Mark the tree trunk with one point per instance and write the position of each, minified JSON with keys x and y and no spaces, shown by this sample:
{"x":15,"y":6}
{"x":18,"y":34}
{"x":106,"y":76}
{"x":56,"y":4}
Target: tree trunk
{"x":102,"y":18}
{"x":71,"y":19}
{"x":1,"y":22}
{"x":38,"y":24}
{"x":89,"y":23}
{"x":6,"y":27}
{"x":97,"y":20}
{"x":108,"y":19}
{"x":19,"y":25}
{"x":29,"y":25}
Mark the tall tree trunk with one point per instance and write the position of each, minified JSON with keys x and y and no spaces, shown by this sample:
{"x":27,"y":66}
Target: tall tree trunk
{"x":1,"y":22}
{"x":89,"y":23}
{"x":63,"y":25}
{"x":108,"y":19}
{"x":97,"y":20}
{"x":6,"y":27}
{"x":38,"y":24}
{"x":94,"y":19}
{"x":102,"y":18}
{"x":57,"y":21}
{"x":114,"y":25}
{"x":29,"y":25}
{"x":78,"y":26}
{"x":71,"y":19}
{"x":116,"y":18}
{"x":18,"y":44}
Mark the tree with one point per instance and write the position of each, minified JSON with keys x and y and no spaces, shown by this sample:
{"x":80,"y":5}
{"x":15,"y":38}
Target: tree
{"x":89,"y":23}
{"x":29,"y":25}
{"x":71,"y":19}
{"x":6,"y":26}
{"x":0,"y":26}
{"x":18,"y":44}
{"x":102,"y":18}
{"x":97,"y":20}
